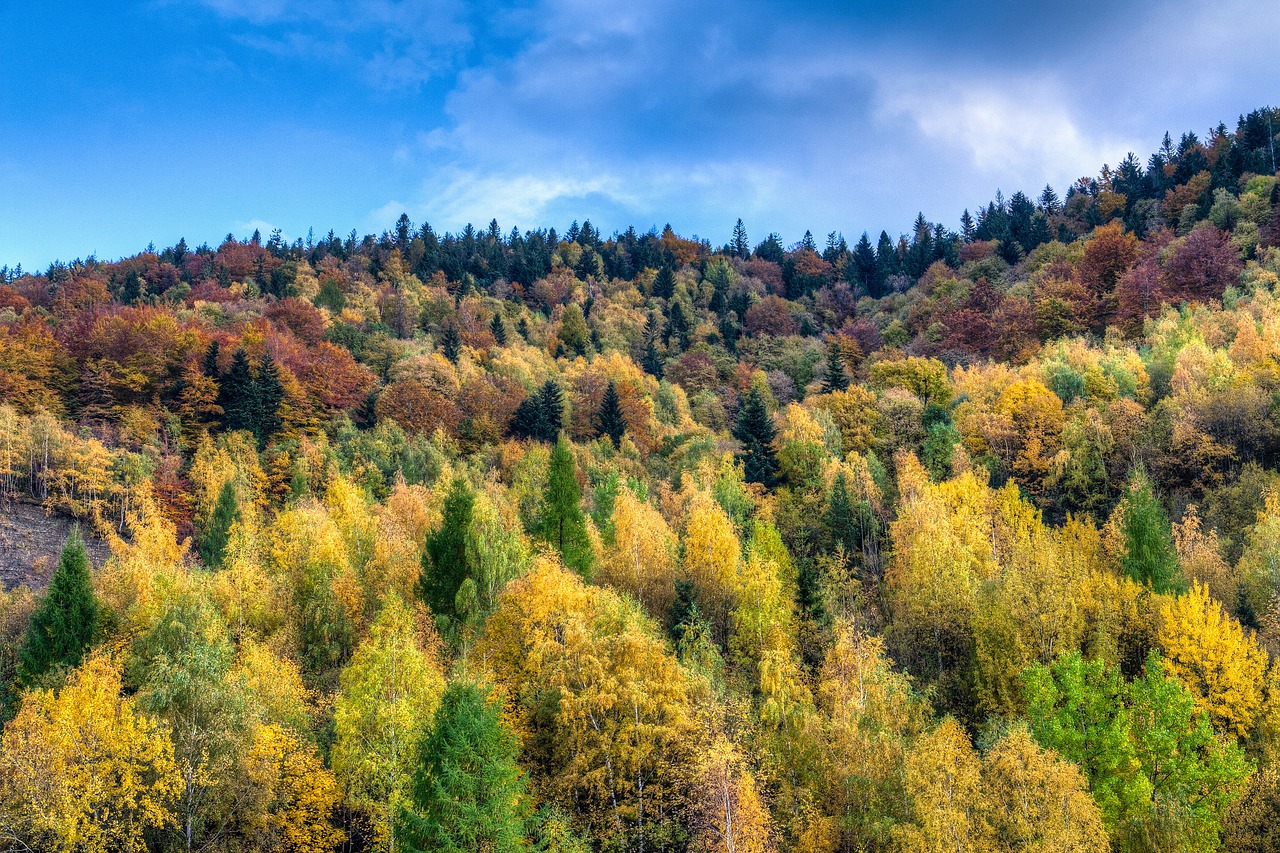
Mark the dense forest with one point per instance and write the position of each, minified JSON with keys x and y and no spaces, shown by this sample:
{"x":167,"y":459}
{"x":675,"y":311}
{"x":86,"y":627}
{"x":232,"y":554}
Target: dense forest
{"x":951,"y":540}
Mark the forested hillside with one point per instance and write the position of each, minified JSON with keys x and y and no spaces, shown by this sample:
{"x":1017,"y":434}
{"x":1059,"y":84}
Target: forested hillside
{"x":495,"y":541}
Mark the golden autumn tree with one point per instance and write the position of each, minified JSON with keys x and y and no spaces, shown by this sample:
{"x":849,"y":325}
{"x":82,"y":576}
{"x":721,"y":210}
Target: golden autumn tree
{"x":83,"y":770}
{"x":390,"y":687}
{"x":1214,"y":658}
{"x":290,"y":797}
{"x":641,"y":559}
{"x":601,"y":706}
{"x":1038,"y":801}
{"x":949,"y":809}
{"x":727,"y":813}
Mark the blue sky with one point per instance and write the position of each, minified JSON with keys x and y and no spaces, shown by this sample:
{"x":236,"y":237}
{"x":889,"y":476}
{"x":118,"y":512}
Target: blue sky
{"x":134,"y":122}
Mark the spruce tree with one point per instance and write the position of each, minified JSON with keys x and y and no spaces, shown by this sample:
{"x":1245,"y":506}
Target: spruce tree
{"x":609,"y":420}
{"x":1149,"y":555}
{"x":740,"y":246}
{"x":841,"y":523}
{"x":665,"y":283}
{"x":444,"y":560}
{"x":754,"y":428}
{"x":211,"y":360}
{"x":498,"y":329}
{"x":564,"y":526}
{"x":268,"y":394}
{"x":61,"y":629}
{"x":215,"y":532}
{"x":236,"y":394}
{"x":550,"y":412}
{"x":834,"y":379}
{"x":468,"y":791}
{"x":451,"y":343}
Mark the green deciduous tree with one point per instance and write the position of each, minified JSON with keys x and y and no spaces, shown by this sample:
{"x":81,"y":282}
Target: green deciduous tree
{"x":1149,"y":555}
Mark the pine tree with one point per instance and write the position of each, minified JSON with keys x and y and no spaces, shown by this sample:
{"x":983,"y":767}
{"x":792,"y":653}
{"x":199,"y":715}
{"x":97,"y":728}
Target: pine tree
{"x":834,"y":379}
{"x":563,"y":524}
{"x":62,"y":627}
{"x":236,"y":394}
{"x":215,"y":533}
{"x":1149,"y":555}
{"x":754,"y":428}
{"x":498,"y":329}
{"x":740,"y":246}
{"x":444,"y":560}
{"x":664,"y":285}
{"x":609,"y":420}
{"x":451,"y":342}
{"x":523,"y":328}
{"x":268,"y":394}
{"x":468,"y":791}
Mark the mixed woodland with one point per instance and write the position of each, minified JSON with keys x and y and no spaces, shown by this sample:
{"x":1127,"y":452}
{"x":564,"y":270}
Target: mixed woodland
{"x":949,"y":540}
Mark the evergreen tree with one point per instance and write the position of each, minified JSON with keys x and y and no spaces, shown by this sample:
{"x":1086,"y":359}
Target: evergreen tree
{"x":211,"y":360}
{"x":842,"y":525}
{"x":498,"y":329}
{"x":268,"y":394}
{"x":834,"y":379}
{"x":444,"y":560}
{"x":1149,"y":555}
{"x":215,"y":532}
{"x":523,"y":328}
{"x":541,"y":414}
{"x":236,"y":394}
{"x":664,"y":285}
{"x":61,"y":628}
{"x":451,"y":342}
{"x":609,"y":420}
{"x":862,"y":271}
{"x":739,"y":244}
{"x":563,"y":524}
{"x":754,"y":428}
{"x":468,"y":791}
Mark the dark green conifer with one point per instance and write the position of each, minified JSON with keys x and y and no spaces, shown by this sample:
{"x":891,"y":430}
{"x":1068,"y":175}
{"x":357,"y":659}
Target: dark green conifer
{"x":1149,"y":555}
{"x":834,"y":379}
{"x":268,"y":394}
{"x":564,"y":526}
{"x":236,"y":394}
{"x":498,"y":329}
{"x":216,"y":531}
{"x":842,"y":525}
{"x":754,"y":428}
{"x":609,"y":420}
{"x":664,"y":285}
{"x":468,"y":791}
{"x":444,"y":560}
{"x":211,"y":360}
{"x":61,"y":629}
{"x":451,"y":342}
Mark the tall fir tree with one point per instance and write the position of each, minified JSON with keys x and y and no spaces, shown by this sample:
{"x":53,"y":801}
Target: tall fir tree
{"x":236,"y":394}
{"x":216,"y":530}
{"x":498,"y":329}
{"x":468,"y":792}
{"x":664,"y":285}
{"x":563,"y":525}
{"x":754,"y":428}
{"x":445,"y":563}
{"x":61,"y":629}
{"x":834,"y":379}
{"x":609,"y":420}
{"x":211,"y":360}
{"x":451,"y":342}
{"x":842,"y":525}
{"x":268,"y":395}
{"x":739,"y":245}
{"x":1149,"y":554}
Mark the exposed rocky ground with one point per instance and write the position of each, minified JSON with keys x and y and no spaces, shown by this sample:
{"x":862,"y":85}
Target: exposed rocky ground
{"x":30,"y":542}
